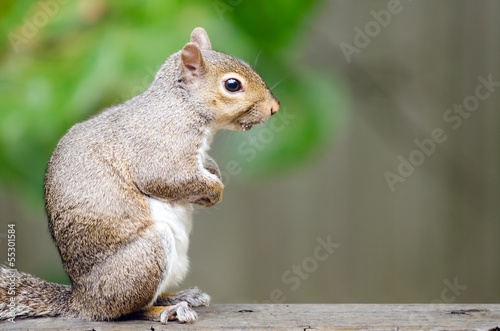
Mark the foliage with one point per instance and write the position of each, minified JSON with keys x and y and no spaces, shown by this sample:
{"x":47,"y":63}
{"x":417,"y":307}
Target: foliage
{"x":62,"y":61}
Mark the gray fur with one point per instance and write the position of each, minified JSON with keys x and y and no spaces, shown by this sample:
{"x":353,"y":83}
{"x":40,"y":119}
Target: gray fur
{"x":104,"y":171}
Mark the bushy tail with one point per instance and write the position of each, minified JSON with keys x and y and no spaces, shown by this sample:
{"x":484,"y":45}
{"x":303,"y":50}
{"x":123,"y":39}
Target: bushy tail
{"x":23,"y":295}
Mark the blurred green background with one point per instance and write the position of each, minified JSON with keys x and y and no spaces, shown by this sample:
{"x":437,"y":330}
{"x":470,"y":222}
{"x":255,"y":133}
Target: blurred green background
{"x":359,"y":82}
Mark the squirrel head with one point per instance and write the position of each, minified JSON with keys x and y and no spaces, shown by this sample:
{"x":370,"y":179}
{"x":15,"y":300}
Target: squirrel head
{"x":229,"y":89}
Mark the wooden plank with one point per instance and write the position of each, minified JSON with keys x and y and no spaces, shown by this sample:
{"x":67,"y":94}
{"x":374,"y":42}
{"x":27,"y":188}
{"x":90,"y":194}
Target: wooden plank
{"x":303,"y":317}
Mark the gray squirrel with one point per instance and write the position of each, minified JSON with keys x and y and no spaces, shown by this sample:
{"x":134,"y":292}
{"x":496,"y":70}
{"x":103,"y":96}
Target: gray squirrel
{"x":120,"y":186}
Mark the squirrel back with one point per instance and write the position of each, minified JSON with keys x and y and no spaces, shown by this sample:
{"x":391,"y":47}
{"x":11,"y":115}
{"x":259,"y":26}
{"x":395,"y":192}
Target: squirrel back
{"x":119,"y":189}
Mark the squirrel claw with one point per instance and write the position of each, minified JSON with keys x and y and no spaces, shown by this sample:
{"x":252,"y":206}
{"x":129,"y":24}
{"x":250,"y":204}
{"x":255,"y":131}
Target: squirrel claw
{"x":181,"y":311}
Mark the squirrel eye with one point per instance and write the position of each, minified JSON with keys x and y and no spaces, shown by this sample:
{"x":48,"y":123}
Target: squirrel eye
{"x":232,"y":85}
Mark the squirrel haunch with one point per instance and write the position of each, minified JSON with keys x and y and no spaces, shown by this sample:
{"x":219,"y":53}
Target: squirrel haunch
{"x":119,"y":190}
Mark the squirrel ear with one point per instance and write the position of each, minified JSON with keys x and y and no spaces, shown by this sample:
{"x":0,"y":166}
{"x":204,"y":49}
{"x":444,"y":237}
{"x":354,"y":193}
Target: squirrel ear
{"x":200,"y":37}
{"x":192,"y":62}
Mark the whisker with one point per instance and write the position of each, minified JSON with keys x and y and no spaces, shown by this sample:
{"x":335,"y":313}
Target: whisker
{"x":279,"y":82}
{"x":257,"y":59}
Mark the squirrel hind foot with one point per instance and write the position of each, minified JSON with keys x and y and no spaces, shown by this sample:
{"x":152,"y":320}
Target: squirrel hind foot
{"x":163,"y":314}
{"x":181,"y":311}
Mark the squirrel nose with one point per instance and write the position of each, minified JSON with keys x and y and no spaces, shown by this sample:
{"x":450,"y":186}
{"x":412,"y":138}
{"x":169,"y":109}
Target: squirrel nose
{"x":275,"y":106}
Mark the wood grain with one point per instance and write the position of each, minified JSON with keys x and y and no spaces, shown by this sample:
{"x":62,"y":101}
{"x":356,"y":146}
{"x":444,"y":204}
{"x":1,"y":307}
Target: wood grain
{"x":302,"y":317}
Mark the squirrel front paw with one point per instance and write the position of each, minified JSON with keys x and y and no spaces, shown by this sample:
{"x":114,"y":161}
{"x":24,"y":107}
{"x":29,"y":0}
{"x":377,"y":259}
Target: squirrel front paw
{"x":211,"y":196}
{"x":207,"y":202}
{"x":181,"y":311}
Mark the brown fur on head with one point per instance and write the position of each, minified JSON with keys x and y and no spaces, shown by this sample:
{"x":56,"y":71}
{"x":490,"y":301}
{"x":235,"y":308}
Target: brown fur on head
{"x":233,"y":92}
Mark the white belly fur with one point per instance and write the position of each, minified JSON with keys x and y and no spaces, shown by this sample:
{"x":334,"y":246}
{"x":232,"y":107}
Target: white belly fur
{"x":173,"y":224}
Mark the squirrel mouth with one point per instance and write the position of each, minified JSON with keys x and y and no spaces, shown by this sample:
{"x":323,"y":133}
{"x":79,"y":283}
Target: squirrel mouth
{"x":249,"y":118}
{"x":245,"y":126}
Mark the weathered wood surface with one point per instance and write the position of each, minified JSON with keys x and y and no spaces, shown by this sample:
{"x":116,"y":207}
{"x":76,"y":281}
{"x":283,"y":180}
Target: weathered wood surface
{"x":302,"y":317}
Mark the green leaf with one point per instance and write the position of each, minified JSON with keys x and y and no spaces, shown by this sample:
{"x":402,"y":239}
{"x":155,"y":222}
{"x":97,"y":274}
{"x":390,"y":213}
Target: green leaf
{"x":270,"y":24}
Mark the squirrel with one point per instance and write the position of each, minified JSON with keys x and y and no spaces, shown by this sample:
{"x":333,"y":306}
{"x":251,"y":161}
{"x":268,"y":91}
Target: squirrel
{"x":120,"y":187}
